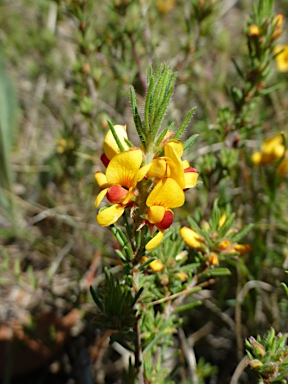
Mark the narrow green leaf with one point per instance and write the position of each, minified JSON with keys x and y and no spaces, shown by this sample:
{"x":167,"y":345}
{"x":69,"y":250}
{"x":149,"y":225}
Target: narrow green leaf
{"x":159,"y":92}
{"x":96,"y":298}
{"x":190,"y":141}
{"x":138,"y":294}
{"x":8,"y":126}
{"x":185,"y":123}
{"x":136,"y":117}
{"x":149,"y":100}
{"x":219,"y":272}
{"x":242,"y":233}
{"x":121,"y":255}
{"x":149,"y":73}
{"x":120,"y":145}
{"x":161,"y":112}
{"x":185,"y":307}
{"x":153,"y":342}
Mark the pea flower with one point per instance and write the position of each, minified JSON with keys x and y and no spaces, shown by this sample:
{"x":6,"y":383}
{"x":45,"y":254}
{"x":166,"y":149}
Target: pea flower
{"x":123,"y":173}
{"x":191,"y":238}
{"x":110,"y":146}
{"x":282,"y":58}
{"x":273,"y":149}
{"x":171,"y":165}
{"x":166,"y":194}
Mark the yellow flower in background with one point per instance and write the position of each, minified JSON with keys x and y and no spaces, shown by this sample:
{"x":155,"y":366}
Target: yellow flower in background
{"x":282,"y":58}
{"x":278,"y":19}
{"x":242,"y":249}
{"x":213,"y":259}
{"x":224,"y":244}
{"x":222,"y":220}
{"x":156,"y":265}
{"x":165,"y":6}
{"x":254,"y":30}
{"x":282,"y":169}
{"x":271,"y":150}
{"x":191,"y":238}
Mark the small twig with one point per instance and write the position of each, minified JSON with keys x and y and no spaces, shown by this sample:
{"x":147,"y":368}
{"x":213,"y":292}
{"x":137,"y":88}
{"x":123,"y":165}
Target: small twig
{"x":253,"y":284}
{"x":238,"y":371}
{"x":189,"y":355}
{"x":63,"y":252}
{"x":185,"y":292}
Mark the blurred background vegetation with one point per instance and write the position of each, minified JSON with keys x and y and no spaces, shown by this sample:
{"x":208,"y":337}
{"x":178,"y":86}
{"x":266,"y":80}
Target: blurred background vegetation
{"x":65,"y":68}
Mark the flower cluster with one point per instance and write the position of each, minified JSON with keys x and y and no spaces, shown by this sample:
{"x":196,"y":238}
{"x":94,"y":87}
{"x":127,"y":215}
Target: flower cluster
{"x":273,"y":149}
{"x":150,"y":188}
{"x":210,"y":244}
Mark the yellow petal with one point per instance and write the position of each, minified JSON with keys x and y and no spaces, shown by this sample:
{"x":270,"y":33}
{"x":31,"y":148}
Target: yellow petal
{"x":153,"y":243}
{"x":224,"y":244}
{"x":222,"y":220}
{"x":110,"y":215}
{"x":270,"y":145}
{"x":256,"y":158}
{"x":190,"y":179}
{"x":141,"y":173}
{"x":167,"y":193}
{"x":185,"y":164}
{"x":282,"y":170}
{"x":100,"y":197}
{"x":213,"y":259}
{"x":282,"y":58}
{"x":176,"y":168}
{"x":123,"y":168}
{"x":243,"y":249}
{"x":158,"y":168}
{"x":191,"y":238}
{"x":177,"y":146}
{"x":155,"y":214}
{"x":110,"y":146}
{"x":156,"y":265}
{"x":101,"y":179}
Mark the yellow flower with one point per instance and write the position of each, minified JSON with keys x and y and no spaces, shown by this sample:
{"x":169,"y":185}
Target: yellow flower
{"x":282,"y":169}
{"x":224,"y":244}
{"x":171,"y":165}
{"x":254,"y":30}
{"x":182,"y":276}
{"x":156,"y":265}
{"x":271,"y":150}
{"x":123,"y":173}
{"x":213,"y":259}
{"x":222,"y":220}
{"x":165,"y":195}
{"x":242,"y":249}
{"x":165,"y":6}
{"x":282,"y":58}
{"x":191,"y":238}
{"x":110,"y":146}
{"x":278,"y":19}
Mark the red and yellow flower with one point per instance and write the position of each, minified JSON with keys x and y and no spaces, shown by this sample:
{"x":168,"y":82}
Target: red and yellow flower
{"x":119,"y":184}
